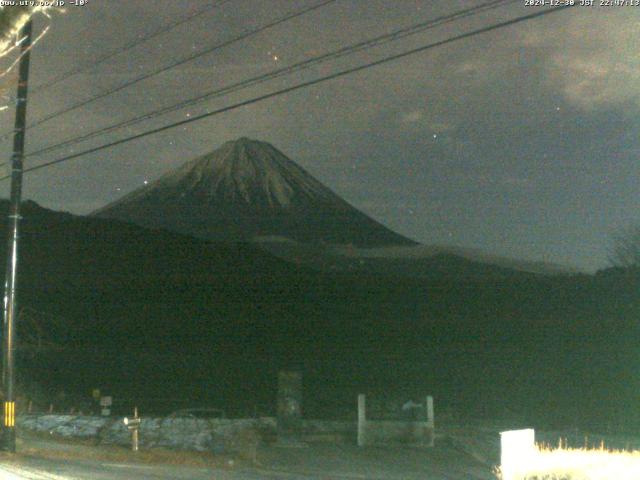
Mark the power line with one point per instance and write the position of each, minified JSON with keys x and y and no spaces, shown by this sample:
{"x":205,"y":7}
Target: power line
{"x":178,"y":63}
{"x":303,"y":65}
{"x":299,"y":86}
{"x":139,"y":41}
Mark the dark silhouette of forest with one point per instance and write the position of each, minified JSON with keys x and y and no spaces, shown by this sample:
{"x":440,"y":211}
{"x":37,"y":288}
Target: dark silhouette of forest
{"x":146,"y":315}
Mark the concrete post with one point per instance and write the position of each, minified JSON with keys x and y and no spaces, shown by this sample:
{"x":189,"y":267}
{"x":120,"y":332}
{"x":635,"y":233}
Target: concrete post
{"x":431,"y":427}
{"x":135,"y":440}
{"x":289,"y":408}
{"x":362,"y":420}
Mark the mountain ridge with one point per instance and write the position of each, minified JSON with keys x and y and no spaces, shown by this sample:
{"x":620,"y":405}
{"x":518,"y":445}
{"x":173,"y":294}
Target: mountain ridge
{"x":130,"y":299}
{"x":249,"y":191}
{"x":246,"y":189}
{"x":411,"y":260}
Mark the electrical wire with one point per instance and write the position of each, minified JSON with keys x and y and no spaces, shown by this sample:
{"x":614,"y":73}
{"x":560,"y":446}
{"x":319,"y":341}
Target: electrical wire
{"x":143,"y":77}
{"x":129,"y":46}
{"x":299,"y":86}
{"x":303,"y":65}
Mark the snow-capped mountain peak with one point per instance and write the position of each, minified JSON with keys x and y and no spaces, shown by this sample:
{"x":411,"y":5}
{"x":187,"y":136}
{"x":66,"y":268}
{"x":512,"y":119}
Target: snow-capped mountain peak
{"x":247,"y":189}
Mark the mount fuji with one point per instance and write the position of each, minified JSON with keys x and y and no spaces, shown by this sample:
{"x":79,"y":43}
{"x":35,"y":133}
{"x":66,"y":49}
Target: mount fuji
{"x":247,"y":190}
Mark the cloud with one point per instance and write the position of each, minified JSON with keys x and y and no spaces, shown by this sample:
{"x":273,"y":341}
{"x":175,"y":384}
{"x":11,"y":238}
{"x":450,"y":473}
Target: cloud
{"x":440,"y":127}
{"x":411,"y":117}
{"x":586,"y":56}
{"x":418,"y":118}
{"x":473,"y":70}
{"x":599,"y":81}
{"x":594,"y":64}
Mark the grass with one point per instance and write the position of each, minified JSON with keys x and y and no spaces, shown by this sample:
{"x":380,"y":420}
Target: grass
{"x":578,"y":464}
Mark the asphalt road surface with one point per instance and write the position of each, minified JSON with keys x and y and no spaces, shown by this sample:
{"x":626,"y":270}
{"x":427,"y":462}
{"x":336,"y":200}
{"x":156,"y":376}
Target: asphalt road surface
{"x":35,"y":468}
{"x":45,"y":469}
{"x":47,"y":458}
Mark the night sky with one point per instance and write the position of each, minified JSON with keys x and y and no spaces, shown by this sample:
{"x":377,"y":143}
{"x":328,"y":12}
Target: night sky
{"x":522,"y":142}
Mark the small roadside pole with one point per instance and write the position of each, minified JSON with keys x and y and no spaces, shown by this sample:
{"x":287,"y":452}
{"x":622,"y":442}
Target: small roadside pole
{"x":431,"y":427}
{"x":362,"y":420}
{"x":133,"y":424}
{"x":289,"y":408}
{"x":9,"y":332}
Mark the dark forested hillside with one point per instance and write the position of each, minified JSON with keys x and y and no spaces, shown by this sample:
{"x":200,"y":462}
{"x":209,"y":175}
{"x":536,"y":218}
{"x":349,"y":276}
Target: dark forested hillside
{"x":132,"y":310}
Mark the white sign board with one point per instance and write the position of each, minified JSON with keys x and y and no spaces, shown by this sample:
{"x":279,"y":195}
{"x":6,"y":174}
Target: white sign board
{"x":518,"y":452}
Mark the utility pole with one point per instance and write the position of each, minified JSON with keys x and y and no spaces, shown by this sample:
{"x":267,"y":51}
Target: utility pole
{"x":8,"y":440}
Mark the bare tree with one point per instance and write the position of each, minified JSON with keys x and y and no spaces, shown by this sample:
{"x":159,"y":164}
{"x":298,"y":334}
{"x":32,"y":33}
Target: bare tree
{"x":12,"y":19}
{"x":625,"y":251}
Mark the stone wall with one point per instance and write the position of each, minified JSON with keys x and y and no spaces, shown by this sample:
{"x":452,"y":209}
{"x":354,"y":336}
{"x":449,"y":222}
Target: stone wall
{"x":201,"y":434}
{"x":213,"y":434}
{"x":389,"y":431}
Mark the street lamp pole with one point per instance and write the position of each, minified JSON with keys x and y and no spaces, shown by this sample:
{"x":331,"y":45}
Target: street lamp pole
{"x":8,"y":440}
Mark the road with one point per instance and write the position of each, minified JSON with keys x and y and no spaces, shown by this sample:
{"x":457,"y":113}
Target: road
{"x":18,"y":467}
{"x":29,"y":468}
{"x":46,"y":458}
